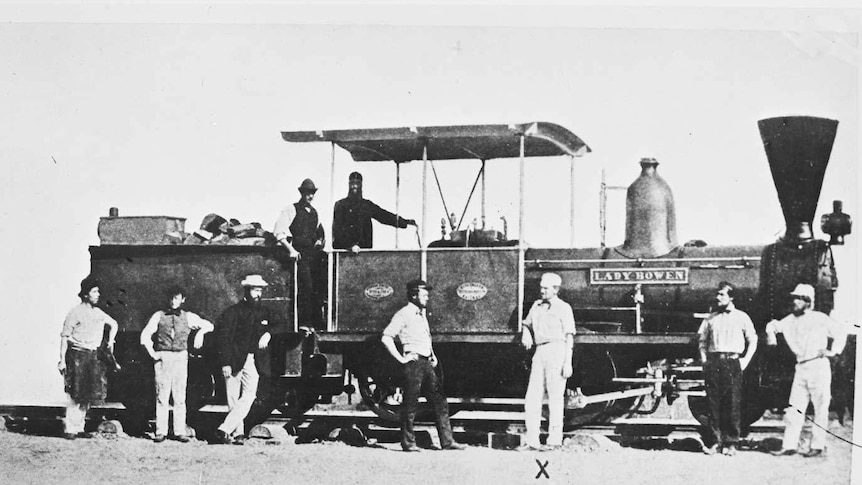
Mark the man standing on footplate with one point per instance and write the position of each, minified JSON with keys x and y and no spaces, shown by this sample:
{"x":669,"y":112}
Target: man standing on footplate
{"x":241,"y":331}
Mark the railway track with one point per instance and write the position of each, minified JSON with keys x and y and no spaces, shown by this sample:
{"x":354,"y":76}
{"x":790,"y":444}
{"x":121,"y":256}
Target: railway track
{"x":477,"y":427}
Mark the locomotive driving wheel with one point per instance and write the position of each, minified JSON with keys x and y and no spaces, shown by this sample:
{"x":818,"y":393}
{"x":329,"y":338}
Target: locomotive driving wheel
{"x":594,"y":372}
{"x":383,"y":395}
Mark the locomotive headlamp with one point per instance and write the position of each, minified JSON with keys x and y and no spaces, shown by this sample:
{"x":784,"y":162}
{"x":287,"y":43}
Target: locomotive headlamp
{"x":837,"y":224}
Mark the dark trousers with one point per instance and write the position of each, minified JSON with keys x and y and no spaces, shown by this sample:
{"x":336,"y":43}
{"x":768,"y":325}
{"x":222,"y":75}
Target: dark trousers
{"x":420,"y":376}
{"x":723,"y":391}
{"x":310,"y":285}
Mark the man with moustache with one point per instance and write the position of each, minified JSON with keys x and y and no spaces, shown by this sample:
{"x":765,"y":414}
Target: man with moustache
{"x":410,"y":327}
{"x":807,"y":333}
{"x":550,"y":327}
{"x":351,"y":218}
{"x":83,"y":373}
{"x":298,"y":229}
{"x":727,"y":342}
{"x":169,"y":351}
{"x":241,"y":331}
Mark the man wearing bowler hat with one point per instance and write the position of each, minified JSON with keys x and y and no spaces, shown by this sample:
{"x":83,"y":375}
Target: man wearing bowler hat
{"x":298,"y":229}
{"x":242,"y":330}
{"x":351,"y":218}
{"x":807,"y":333}
{"x":410,"y":326}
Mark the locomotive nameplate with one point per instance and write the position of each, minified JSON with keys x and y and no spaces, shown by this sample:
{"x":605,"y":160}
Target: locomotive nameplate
{"x":471,"y":291}
{"x":647,"y":276}
{"x":378,"y":291}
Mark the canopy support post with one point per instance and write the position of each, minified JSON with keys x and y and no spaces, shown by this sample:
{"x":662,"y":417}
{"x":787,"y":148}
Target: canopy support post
{"x":521,"y":245}
{"x":330,"y":262}
{"x":572,"y":202}
{"x":423,"y":269}
{"x":483,"y":195}
{"x":397,"y":199}
{"x":521,"y":231}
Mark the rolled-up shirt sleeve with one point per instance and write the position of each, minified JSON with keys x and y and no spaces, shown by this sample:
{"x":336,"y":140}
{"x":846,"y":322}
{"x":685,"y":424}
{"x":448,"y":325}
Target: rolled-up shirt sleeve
{"x":568,"y":320}
{"x":150,"y":329}
{"x":69,"y":323}
{"x":282,"y":225}
{"x":395,"y":325}
{"x":196,"y":322}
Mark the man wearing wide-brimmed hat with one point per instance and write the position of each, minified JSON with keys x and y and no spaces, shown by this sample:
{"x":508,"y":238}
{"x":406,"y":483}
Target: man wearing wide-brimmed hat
{"x":419,"y":361}
{"x":242,"y":329}
{"x":298,"y":229}
{"x":807,"y":333}
{"x":83,"y":373}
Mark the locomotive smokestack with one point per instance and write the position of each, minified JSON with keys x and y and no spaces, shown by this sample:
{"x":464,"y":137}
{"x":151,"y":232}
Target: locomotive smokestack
{"x":798,"y":149}
{"x":650,"y":215}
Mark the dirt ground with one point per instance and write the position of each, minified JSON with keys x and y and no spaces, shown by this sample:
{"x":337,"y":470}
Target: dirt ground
{"x":38,"y":459}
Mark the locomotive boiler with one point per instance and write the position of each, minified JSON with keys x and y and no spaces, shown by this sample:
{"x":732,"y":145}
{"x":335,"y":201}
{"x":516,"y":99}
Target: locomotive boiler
{"x":637,"y":305}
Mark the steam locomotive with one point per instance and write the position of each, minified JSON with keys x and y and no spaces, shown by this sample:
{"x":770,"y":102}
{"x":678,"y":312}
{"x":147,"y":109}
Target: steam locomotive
{"x":636,"y":305}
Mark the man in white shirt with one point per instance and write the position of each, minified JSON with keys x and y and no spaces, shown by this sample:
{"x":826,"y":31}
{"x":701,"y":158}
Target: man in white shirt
{"x":165,"y":337}
{"x":807,"y":333}
{"x":410,"y":326}
{"x":550,"y":326}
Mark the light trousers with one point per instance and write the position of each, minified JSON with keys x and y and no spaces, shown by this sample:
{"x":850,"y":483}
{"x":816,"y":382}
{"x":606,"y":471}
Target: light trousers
{"x":172,"y":373}
{"x":546,"y":374}
{"x":241,"y":390}
{"x":75,"y":415}
{"x":811,"y":383}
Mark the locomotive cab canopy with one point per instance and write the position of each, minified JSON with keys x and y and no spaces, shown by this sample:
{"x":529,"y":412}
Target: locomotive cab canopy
{"x":370,"y":284}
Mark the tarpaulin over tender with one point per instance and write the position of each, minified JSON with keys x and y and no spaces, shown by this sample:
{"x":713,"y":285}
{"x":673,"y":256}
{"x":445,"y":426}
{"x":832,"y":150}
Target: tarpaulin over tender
{"x":484,"y":142}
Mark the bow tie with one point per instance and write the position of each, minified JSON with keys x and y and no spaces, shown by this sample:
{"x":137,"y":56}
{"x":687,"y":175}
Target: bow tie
{"x":172,"y":312}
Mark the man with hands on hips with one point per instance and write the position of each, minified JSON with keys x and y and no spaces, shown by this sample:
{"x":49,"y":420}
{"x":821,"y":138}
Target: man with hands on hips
{"x":410,"y":326}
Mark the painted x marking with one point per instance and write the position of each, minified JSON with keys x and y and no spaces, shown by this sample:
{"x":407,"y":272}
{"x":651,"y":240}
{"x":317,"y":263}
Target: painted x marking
{"x":542,"y":469}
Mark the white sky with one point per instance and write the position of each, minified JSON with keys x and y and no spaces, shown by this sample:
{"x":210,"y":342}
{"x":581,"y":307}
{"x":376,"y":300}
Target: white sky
{"x":162,"y":111}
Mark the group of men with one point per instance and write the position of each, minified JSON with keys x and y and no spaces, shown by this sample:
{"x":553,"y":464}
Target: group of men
{"x":298,"y":229}
{"x":727,"y":344}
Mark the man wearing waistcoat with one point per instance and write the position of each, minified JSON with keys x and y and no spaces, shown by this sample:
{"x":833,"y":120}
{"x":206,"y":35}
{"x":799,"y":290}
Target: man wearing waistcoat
{"x":298,"y":229}
{"x":242,"y":330}
{"x":165,"y":337}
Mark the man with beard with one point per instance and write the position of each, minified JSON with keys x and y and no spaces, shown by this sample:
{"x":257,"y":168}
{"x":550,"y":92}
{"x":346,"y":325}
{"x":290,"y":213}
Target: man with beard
{"x":169,"y":351}
{"x":351,"y":219}
{"x":727,"y":342}
{"x":83,"y":373}
{"x":807,"y":333}
{"x":419,"y":361}
{"x":298,"y":229}
{"x":241,"y":331}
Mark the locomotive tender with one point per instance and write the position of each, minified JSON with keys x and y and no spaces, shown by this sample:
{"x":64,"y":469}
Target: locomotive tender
{"x":636,"y":305}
